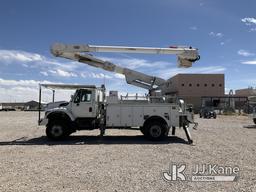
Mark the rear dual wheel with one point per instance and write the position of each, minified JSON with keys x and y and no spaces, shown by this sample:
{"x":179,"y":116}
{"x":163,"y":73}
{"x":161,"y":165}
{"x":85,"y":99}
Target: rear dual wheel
{"x":155,"y":131}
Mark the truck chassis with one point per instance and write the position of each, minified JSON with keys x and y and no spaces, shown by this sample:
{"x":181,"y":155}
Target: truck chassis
{"x":153,"y":119}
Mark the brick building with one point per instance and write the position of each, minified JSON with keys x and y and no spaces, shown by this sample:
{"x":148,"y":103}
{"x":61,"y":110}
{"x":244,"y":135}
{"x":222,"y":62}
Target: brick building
{"x":192,"y":87}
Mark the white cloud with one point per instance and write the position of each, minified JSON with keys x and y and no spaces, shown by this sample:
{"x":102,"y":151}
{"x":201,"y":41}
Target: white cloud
{"x":222,"y":43}
{"x":194,"y":28}
{"x":119,"y":76}
{"x":66,"y":68}
{"x":100,"y":76}
{"x":19,"y":90}
{"x":95,"y":75}
{"x":167,"y":73}
{"x":20,"y":56}
{"x":25,"y":90}
{"x":29,"y":83}
{"x":213,"y":34}
{"x":244,"y":53}
{"x":62,"y":73}
{"x":251,"y":62}
{"x":34,"y":60}
{"x":20,"y":94}
{"x":66,"y":65}
{"x":249,"y":20}
{"x":135,"y":63}
{"x":44,"y":73}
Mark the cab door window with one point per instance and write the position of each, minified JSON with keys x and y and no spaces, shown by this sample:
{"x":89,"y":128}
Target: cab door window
{"x":85,"y":96}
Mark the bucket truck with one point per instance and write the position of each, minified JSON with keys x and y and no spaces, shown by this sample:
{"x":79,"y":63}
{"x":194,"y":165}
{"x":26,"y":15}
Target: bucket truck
{"x":90,"y":108}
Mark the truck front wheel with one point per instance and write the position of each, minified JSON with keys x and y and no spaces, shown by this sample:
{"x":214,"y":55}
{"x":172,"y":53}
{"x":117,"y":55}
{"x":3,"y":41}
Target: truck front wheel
{"x":155,"y":131}
{"x":56,"y":130}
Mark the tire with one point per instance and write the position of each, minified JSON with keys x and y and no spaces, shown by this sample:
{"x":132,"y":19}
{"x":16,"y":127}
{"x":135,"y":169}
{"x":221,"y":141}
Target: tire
{"x":156,"y":131}
{"x":254,"y":120}
{"x":57,"y":130}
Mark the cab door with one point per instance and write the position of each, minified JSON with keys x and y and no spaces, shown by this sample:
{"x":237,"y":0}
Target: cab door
{"x":84,"y":104}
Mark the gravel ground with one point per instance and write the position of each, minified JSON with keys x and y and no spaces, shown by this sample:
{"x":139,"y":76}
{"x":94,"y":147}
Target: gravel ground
{"x":122,"y":160}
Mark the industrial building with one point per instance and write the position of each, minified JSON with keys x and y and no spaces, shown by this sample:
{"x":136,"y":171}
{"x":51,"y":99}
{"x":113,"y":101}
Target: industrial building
{"x":208,"y":90}
{"x":192,"y":87}
{"x":246,"y":92}
{"x":28,"y":106}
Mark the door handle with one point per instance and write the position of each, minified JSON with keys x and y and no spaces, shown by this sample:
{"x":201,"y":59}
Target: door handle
{"x":90,"y":109}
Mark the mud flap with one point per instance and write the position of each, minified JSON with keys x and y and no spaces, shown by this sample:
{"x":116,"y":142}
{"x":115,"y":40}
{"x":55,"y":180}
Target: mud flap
{"x":173,"y":130}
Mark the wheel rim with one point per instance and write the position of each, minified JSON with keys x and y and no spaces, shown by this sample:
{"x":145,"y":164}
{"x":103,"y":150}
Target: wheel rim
{"x":56,"y":130}
{"x":155,"y":131}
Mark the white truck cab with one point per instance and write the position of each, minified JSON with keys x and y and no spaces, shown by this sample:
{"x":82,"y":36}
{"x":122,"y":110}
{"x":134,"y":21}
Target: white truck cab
{"x":84,"y":103}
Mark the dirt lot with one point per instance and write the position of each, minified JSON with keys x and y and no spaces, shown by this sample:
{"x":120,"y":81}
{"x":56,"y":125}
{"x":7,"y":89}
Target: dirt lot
{"x":123,"y":160}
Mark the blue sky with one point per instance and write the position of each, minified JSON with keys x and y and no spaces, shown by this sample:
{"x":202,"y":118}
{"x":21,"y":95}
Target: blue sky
{"x":223,"y":31}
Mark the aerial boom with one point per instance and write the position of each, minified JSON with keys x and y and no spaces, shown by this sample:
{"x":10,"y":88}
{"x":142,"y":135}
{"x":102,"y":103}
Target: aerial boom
{"x":186,"y":56}
{"x":132,"y":77}
{"x":121,"y":49}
